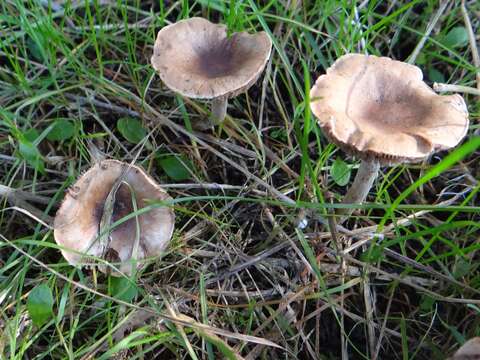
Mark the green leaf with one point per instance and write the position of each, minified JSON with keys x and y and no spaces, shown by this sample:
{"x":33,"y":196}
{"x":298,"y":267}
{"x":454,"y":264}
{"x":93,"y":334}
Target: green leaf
{"x":123,"y":289}
{"x":40,"y":304}
{"x":62,"y":130}
{"x":176,"y":167}
{"x":35,"y":49}
{"x":131,"y":129}
{"x":435,"y":76}
{"x":31,"y":134}
{"x":372,"y":255}
{"x":457,"y":37}
{"x":426,"y":303}
{"x":31,"y":155}
{"x":279,"y":134}
{"x":461,"y":269}
{"x":340,"y":172}
{"x":421,"y":59}
{"x":227,"y":351}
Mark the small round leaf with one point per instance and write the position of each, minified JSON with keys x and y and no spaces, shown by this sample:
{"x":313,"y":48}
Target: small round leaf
{"x":62,"y":130}
{"x":340,"y":172}
{"x":131,"y":129}
{"x":457,"y":37}
{"x":40,"y":304}
{"x":176,"y":167}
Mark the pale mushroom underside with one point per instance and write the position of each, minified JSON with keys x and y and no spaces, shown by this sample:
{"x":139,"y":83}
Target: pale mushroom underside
{"x":195,"y":58}
{"x":377,"y":107}
{"x":77,"y":222}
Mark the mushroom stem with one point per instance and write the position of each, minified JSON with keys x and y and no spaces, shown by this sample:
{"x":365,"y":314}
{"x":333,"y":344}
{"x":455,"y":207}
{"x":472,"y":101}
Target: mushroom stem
{"x":366,"y":175}
{"x":219,"y":110}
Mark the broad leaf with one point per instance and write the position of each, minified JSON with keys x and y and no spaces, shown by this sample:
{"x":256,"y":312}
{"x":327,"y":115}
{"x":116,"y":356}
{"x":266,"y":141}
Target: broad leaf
{"x":340,"y":172}
{"x":457,"y":37}
{"x":40,"y":304}
{"x":31,"y":155}
{"x":62,"y":130}
{"x":131,"y":129}
{"x":176,"y":167}
{"x":123,"y":289}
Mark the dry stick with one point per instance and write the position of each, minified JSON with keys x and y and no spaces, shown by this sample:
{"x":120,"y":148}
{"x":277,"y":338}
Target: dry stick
{"x":405,"y":222}
{"x":430,"y":26}
{"x":473,"y":42}
{"x":404,"y":281}
{"x":383,"y":328}
{"x":13,"y":194}
{"x":18,"y":201}
{"x":176,"y":320}
{"x":371,"y":231}
{"x":34,"y":213}
{"x":343,"y":266}
{"x":165,"y":121}
{"x":439,"y":87}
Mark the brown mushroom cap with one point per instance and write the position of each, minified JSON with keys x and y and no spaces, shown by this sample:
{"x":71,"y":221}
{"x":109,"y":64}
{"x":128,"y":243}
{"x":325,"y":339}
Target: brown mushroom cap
{"x":195,"y":58}
{"x":77,"y":222}
{"x":376,"y":107}
{"x":469,"y":351}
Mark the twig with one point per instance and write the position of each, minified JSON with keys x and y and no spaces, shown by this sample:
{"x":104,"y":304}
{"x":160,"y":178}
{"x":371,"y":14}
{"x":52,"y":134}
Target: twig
{"x":430,"y":26}
{"x":253,"y":260}
{"x":34,"y":213}
{"x":472,"y":40}
{"x":176,"y":320}
{"x":371,"y":231}
{"x":13,"y":194}
{"x":455,"y":88}
{"x":384,"y":326}
{"x":404,"y":281}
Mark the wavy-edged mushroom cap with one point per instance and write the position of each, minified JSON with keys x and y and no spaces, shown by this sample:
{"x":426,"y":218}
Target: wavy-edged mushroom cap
{"x":77,"y":222}
{"x":376,"y":107}
{"x":195,"y":58}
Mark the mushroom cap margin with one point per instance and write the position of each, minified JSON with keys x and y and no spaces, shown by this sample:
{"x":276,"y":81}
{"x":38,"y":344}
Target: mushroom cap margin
{"x":412,"y":120}
{"x":205,"y":45}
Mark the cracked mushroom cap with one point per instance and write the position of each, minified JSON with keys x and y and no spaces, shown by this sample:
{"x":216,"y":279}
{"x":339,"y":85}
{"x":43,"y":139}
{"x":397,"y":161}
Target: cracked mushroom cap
{"x":376,"y":107}
{"x":77,"y":222}
{"x":195,"y":58}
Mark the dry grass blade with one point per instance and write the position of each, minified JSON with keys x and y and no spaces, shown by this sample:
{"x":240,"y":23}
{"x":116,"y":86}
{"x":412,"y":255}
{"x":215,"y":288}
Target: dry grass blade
{"x":180,"y":321}
{"x":33,"y":213}
{"x":473,"y":42}
{"x":431,"y":25}
{"x":455,"y":88}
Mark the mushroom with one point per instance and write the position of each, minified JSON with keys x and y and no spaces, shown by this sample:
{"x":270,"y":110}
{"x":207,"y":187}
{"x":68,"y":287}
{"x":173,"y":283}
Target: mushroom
{"x":197,"y":59}
{"x":77,"y":225}
{"x":381,"y":111}
{"x":468,"y":351}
